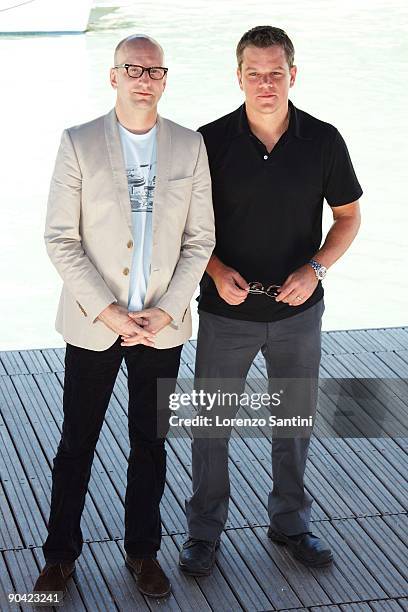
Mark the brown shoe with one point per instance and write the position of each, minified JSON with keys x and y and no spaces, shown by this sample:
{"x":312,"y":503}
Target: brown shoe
{"x":54,"y":577}
{"x":150,"y":578}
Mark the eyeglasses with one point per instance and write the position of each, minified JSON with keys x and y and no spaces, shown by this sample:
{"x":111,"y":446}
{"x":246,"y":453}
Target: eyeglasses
{"x":155,"y":72}
{"x":258,"y":288}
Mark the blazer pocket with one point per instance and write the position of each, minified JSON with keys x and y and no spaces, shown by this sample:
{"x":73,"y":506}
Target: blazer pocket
{"x":180,"y":183}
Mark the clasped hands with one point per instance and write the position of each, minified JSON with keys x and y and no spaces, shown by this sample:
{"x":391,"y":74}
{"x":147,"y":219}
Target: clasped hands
{"x":135,"y":327}
{"x":297,"y":288}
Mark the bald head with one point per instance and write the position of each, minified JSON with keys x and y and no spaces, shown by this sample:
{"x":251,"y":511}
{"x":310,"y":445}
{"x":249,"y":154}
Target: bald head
{"x":133,"y":42}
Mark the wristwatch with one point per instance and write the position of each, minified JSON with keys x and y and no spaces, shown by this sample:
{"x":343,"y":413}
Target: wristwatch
{"x":319,"y":270}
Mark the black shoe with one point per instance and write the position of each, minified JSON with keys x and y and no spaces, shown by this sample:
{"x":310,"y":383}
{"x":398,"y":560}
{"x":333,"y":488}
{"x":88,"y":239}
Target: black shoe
{"x":305,"y":547}
{"x":197,"y":557}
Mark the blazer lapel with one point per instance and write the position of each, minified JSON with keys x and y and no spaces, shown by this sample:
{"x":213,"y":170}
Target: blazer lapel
{"x":118,"y":165}
{"x":159,"y":199}
{"x":162,"y":170}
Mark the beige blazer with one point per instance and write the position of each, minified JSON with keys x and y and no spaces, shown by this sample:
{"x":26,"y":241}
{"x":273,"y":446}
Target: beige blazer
{"x":88,"y":233}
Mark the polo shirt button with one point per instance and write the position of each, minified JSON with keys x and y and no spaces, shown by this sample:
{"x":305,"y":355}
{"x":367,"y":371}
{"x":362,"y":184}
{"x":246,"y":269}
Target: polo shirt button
{"x":126,"y":271}
{"x":130,"y":244}
{"x":265,"y":157}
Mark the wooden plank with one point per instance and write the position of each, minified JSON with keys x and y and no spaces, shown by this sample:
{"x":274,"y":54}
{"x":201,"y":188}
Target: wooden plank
{"x":365,"y":583}
{"x":372,"y":556}
{"x":13,"y":363}
{"x":403,"y":355}
{"x":391,"y":395}
{"x":299,"y":577}
{"x":364,"y":478}
{"x":20,"y":494}
{"x":386,"y":605}
{"x":368,"y":343}
{"x":3,"y":371}
{"x":325,"y":609}
{"x":399,"y":335}
{"x":264,"y":568}
{"x":252,"y":507}
{"x":246,"y":588}
{"x":356,"y":607}
{"x":29,"y":452}
{"x":399,"y":523}
{"x":53,"y":359}
{"x":186,"y":593}
{"x":338,"y":420}
{"x":372,"y":407}
{"x":386,"y":339}
{"x":391,"y":538}
{"x":326,"y":492}
{"x":337,"y":581}
{"x":188,"y":353}
{"x":330,"y":345}
{"x":215,"y":587}
{"x":348,"y":343}
{"x":6,"y":587}
{"x":9,"y":533}
{"x":23,"y":569}
{"x":395,"y":362}
{"x":35,"y":362}
{"x":109,"y":561}
{"x":91,"y":585}
{"x":394,"y":479}
{"x":353,"y":496}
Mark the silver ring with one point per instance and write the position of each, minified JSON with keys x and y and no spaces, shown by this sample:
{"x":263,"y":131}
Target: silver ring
{"x":299,"y":298}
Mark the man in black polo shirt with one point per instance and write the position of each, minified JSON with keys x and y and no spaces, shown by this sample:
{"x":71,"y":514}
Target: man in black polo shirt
{"x":272,"y":166}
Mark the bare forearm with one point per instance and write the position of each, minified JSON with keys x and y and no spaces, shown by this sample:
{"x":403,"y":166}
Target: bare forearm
{"x":214,"y":266}
{"x":338,"y":239}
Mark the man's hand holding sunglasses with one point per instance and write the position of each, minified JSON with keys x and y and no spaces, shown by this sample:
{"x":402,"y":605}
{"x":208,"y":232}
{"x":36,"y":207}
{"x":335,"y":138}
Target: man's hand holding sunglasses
{"x":231,"y":286}
{"x":298,"y":287}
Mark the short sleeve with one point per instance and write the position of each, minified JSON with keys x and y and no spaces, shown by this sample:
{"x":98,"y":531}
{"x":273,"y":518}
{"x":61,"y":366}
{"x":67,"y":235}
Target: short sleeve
{"x":341,"y":185}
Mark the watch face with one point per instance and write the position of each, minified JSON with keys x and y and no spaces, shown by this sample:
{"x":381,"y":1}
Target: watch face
{"x":321,"y":273}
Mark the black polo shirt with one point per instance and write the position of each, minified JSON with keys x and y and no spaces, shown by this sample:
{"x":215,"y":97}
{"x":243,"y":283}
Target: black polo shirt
{"x":268,"y":207}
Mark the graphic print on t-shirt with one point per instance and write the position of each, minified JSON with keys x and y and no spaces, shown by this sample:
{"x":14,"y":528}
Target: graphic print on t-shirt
{"x":141,"y":183}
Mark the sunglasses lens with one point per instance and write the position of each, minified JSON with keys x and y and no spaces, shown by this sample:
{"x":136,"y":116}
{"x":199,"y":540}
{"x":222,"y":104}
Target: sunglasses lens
{"x":256,"y":287}
{"x":273,"y":290}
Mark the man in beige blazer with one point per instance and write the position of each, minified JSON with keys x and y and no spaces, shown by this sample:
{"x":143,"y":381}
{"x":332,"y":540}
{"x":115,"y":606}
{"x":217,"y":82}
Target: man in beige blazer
{"x":130,"y":230}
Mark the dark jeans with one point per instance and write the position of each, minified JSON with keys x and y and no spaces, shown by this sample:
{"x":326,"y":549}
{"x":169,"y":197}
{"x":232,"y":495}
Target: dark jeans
{"x":89,"y":380}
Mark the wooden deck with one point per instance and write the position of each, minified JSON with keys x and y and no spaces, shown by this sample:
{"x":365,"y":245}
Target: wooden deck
{"x":359,"y":486}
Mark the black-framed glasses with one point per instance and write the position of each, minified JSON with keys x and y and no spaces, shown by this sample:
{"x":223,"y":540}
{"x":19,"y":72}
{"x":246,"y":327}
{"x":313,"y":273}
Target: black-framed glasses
{"x":135,"y":72}
{"x":258,"y":288}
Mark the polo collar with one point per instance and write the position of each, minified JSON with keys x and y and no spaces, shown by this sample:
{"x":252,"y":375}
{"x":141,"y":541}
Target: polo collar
{"x":294,"y":129}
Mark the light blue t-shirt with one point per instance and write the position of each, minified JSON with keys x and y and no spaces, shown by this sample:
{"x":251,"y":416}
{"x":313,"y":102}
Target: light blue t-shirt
{"x":140,"y":154}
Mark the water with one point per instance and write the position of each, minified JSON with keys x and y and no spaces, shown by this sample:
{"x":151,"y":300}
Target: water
{"x":352,"y":71}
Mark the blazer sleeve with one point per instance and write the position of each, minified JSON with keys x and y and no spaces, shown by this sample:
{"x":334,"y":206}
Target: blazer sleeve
{"x":63,"y":239}
{"x":197,"y":243}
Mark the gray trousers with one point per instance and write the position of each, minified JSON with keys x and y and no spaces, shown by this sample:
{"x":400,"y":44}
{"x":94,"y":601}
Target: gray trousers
{"x":226,"y":349}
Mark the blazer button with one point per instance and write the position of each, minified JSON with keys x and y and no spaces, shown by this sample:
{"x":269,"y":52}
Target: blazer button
{"x":125,"y":271}
{"x":130,"y":244}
